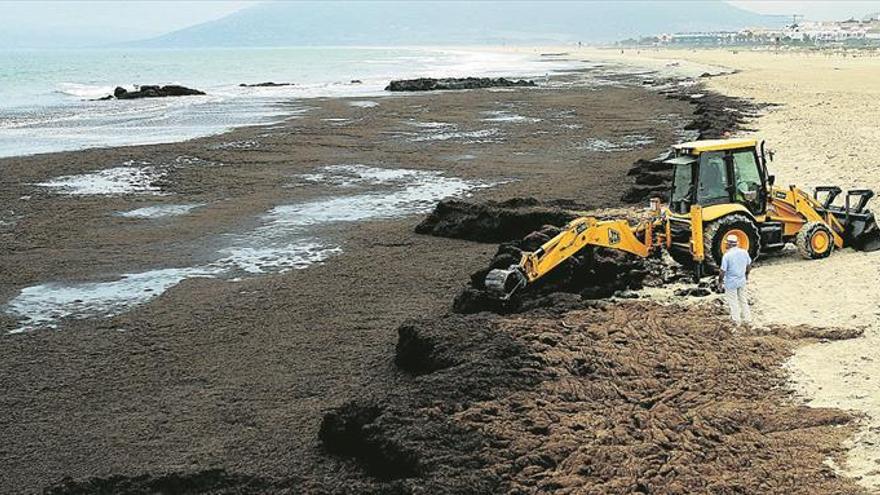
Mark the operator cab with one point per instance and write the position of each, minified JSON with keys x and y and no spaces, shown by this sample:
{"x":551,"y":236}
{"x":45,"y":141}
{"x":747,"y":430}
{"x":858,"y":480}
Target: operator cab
{"x":717,"y":171}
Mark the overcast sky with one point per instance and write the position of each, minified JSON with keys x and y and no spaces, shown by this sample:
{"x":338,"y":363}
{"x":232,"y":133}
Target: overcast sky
{"x":90,"y":22}
{"x":813,"y":10}
{"x":95,"y":21}
{"x":156,"y":16}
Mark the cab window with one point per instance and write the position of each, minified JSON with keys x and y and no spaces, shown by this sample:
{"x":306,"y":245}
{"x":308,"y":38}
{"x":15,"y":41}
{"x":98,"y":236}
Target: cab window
{"x":682,"y":183}
{"x":748,"y":176}
{"x":713,"y":179}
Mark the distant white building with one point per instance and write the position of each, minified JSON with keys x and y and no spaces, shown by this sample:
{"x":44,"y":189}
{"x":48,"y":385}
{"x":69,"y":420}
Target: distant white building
{"x":851,"y":29}
{"x":800,"y":32}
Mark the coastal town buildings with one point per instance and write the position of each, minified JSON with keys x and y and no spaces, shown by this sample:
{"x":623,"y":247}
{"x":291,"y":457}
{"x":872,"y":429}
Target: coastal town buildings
{"x":851,"y":31}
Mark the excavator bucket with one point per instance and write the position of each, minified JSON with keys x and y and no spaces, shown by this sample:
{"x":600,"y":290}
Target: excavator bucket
{"x":502,"y":283}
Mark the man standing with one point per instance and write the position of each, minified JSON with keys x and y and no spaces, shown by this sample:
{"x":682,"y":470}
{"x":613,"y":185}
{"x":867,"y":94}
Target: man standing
{"x":735,"y":267}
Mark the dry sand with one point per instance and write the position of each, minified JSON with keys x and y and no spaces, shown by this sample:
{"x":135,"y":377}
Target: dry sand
{"x":824,"y":132}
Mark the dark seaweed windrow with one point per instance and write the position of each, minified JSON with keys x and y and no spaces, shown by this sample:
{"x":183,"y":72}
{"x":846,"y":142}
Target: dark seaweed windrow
{"x":495,"y":222}
{"x":210,"y":481}
{"x":627,"y":398}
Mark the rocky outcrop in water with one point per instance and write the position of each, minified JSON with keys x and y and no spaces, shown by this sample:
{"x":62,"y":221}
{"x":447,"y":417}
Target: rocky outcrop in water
{"x":431,"y":84}
{"x":156,"y":91}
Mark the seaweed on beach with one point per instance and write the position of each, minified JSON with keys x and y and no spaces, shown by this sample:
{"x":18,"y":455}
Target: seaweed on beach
{"x":623,"y":398}
{"x":209,"y":481}
{"x":494,"y":221}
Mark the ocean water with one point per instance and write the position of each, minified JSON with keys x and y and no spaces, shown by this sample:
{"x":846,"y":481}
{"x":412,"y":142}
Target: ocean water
{"x":46,"y":96}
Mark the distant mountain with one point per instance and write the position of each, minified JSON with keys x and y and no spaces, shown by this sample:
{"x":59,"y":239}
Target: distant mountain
{"x":451,"y":22}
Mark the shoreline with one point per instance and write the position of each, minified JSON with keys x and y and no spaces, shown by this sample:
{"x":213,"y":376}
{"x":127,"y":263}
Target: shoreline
{"x":195,"y":117}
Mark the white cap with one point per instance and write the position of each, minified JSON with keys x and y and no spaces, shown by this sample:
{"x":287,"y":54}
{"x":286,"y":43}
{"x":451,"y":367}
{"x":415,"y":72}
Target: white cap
{"x":732,"y":239}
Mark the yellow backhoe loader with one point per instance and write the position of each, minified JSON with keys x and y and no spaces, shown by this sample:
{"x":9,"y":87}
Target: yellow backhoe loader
{"x":719,"y":187}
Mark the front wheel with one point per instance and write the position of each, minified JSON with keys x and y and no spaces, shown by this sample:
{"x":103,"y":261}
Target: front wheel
{"x":814,"y":241}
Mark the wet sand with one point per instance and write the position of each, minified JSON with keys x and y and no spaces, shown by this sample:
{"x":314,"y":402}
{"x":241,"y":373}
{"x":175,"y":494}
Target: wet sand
{"x":218,"y":372}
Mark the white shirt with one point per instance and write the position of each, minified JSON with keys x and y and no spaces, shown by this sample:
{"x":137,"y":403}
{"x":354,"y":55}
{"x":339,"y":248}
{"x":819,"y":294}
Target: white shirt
{"x":734,"y":264}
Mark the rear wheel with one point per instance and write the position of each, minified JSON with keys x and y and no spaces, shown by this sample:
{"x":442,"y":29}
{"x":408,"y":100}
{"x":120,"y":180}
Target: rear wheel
{"x":715,"y":233}
{"x":815,"y":241}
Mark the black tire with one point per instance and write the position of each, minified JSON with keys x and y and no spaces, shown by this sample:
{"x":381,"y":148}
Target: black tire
{"x":682,"y":256}
{"x":715,"y":232}
{"x":804,"y":241}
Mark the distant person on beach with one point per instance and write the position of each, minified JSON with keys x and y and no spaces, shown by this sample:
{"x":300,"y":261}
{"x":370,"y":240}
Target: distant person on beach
{"x":735,"y":267}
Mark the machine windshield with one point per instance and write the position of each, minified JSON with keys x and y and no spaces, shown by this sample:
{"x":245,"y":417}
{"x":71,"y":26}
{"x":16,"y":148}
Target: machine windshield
{"x":713,"y":179}
{"x":748,"y":179}
{"x":682,"y":183}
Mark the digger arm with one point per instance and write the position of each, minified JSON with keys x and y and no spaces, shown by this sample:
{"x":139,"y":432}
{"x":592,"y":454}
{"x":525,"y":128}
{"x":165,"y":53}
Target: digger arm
{"x":582,"y":232}
{"x":579,"y":233}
